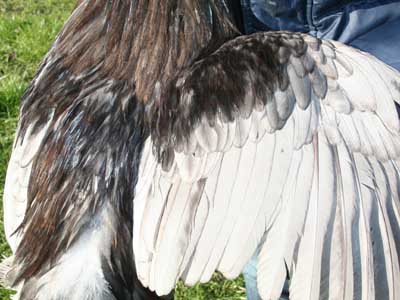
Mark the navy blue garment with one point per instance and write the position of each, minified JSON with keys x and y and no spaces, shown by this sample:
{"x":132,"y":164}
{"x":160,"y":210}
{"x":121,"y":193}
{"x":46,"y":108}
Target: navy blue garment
{"x":372,"y":26}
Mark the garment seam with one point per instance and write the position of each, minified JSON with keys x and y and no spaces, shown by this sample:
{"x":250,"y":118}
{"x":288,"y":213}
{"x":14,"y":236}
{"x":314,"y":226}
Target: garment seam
{"x":360,"y":4}
{"x":247,"y":24}
{"x":310,"y":18}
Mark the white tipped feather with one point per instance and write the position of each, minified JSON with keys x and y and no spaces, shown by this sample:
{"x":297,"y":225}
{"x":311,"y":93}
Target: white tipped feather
{"x":328,"y":49}
{"x":189,"y":166}
{"x":297,"y":65}
{"x":200,"y":218}
{"x":349,"y":213}
{"x":285,"y":102}
{"x":362,"y":168}
{"x":302,"y":284}
{"x":314,"y":121}
{"x":386,"y":109}
{"x":329,"y":69}
{"x":371,"y":208}
{"x":272,"y":114}
{"x":339,"y":101}
{"x":242,"y":131}
{"x":308,"y":63}
{"x":148,"y":211}
{"x":349,"y":132}
{"x":190,"y":145}
{"x":363,"y":133}
{"x":231,"y":127}
{"x":319,"y":82}
{"x":382,"y":187}
{"x":302,"y":120}
{"x":254,"y":222}
{"x":291,"y":165}
{"x":174,"y":235}
{"x":393,"y":207}
{"x":237,"y":200}
{"x":307,"y":270}
{"x":251,"y":201}
{"x":318,"y":56}
{"x":219,"y":197}
{"x":281,"y":239}
{"x":222,"y":134}
{"x":257,"y":130}
{"x":301,"y":88}
{"x":359,"y":89}
{"x":207,"y":136}
{"x":343,"y":65}
{"x":265,"y":123}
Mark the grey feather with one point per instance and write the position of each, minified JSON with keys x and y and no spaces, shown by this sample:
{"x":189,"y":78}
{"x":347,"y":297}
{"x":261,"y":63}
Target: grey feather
{"x":301,"y":88}
{"x":285,"y":102}
{"x":318,"y":83}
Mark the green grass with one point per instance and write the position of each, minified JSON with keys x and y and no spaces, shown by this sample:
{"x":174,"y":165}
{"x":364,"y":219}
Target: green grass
{"x":27,"y":29}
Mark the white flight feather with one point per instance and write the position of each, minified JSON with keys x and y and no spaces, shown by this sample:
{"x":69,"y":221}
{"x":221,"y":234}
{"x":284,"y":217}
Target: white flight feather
{"x":391,"y":257}
{"x":367,"y":262}
{"x":256,"y":222}
{"x":271,"y":269}
{"x":342,"y":251}
{"x":301,"y":286}
{"x":218,"y":188}
{"x":232,"y":213}
{"x":251,"y":200}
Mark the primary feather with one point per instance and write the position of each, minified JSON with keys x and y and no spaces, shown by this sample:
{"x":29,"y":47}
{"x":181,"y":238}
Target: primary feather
{"x":304,"y":192}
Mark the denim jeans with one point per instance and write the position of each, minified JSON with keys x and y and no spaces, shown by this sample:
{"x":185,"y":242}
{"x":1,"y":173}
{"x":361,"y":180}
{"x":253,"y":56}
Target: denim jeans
{"x":250,"y":277}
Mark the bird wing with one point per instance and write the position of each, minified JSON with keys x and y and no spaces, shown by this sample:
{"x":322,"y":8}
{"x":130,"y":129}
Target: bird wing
{"x":280,"y":141}
{"x":17,"y":181}
{"x":28,"y":140}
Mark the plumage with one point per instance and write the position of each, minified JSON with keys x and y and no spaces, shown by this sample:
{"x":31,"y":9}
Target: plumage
{"x":174,"y":167}
{"x":328,"y":247}
{"x":319,"y":83}
{"x":285,"y":102}
{"x":301,"y":88}
{"x":17,"y":183}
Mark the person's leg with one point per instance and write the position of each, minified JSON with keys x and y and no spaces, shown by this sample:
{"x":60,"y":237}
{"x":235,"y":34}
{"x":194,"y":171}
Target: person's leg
{"x":250,"y":278}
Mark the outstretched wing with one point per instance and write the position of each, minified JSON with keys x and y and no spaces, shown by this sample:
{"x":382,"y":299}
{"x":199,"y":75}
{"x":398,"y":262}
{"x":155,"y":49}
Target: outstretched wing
{"x":280,"y":141}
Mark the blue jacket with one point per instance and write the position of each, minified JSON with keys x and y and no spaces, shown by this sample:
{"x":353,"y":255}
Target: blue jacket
{"x":370,"y":25}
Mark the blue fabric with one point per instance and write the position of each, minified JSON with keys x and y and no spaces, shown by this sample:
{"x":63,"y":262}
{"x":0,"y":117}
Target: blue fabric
{"x":250,"y":278}
{"x":370,"y":25}
{"x":383,"y":42}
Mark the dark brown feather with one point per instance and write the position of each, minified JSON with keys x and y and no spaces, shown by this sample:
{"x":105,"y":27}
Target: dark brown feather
{"x":92,"y":89}
{"x":216,"y":85}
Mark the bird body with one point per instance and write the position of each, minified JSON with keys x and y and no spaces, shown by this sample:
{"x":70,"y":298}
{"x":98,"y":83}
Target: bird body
{"x":155,"y":144}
